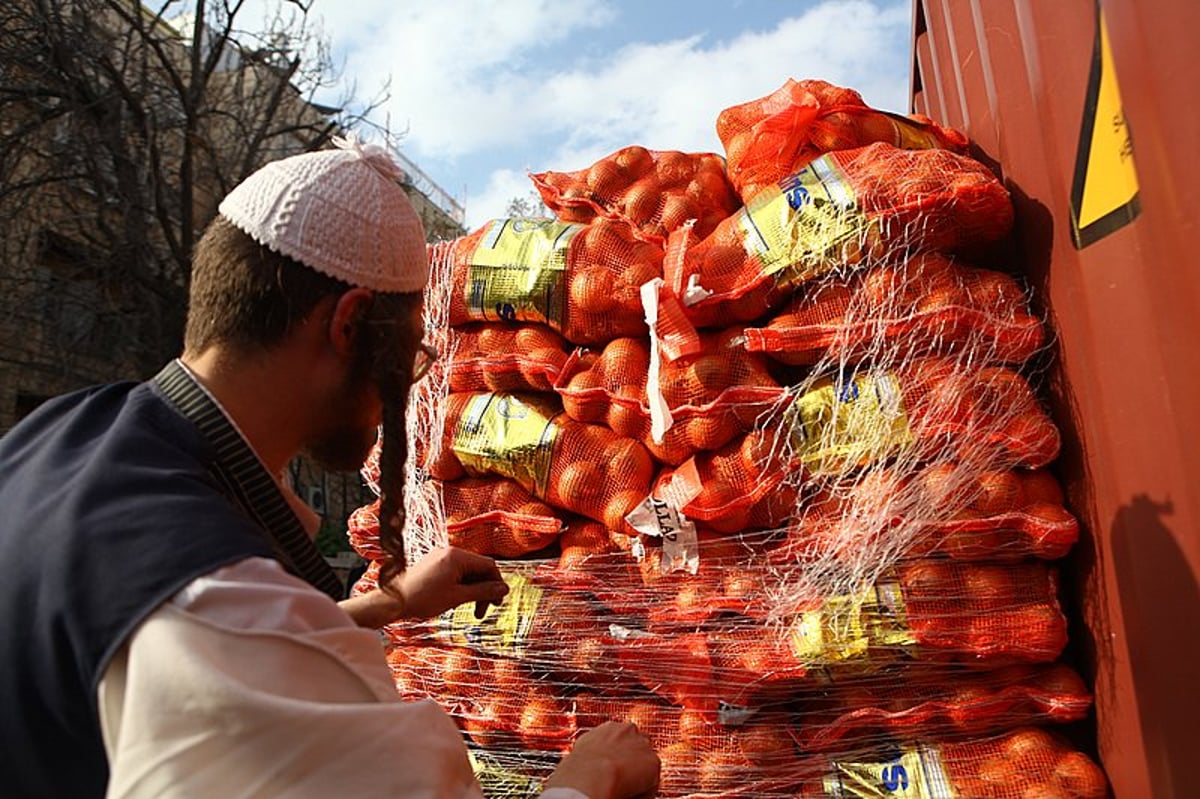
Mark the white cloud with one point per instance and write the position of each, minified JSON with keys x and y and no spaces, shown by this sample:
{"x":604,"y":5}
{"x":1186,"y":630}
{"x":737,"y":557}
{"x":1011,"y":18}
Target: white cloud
{"x":502,"y":186}
{"x":474,"y":83}
{"x":461,"y":70}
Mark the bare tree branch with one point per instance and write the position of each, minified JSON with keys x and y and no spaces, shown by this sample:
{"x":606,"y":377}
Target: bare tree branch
{"x":121,"y":127}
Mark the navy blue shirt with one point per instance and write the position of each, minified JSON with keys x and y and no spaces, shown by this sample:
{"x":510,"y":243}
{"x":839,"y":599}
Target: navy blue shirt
{"x":111,"y":500}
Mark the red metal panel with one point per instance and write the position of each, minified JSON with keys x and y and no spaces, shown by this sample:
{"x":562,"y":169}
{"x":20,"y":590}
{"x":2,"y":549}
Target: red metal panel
{"x":978,"y":80}
{"x":1126,"y":384}
{"x":943,"y":63}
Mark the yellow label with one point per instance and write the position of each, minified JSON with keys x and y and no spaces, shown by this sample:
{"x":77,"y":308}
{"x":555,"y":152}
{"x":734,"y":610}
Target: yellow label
{"x":842,"y":423}
{"x":1104,"y":196}
{"x":912,"y":136}
{"x":518,"y":272}
{"x":508,"y":434}
{"x":911,"y":774}
{"x":798,"y":231}
{"x":503,"y":630}
{"x":498,"y":781}
{"x":852,"y":628}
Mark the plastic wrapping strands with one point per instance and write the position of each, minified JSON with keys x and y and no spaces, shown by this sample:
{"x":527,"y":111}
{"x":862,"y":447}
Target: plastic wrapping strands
{"x":928,"y":305}
{"x":997,"y":515}
{"x":828,"y":574}
{"x":927,"y":612}
{"x":656,"y":191}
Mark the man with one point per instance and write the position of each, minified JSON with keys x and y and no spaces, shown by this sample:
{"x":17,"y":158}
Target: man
{"x":170,"y":628}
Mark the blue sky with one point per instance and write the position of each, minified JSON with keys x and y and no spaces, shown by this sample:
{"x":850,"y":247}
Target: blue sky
{"x":488,"y":91}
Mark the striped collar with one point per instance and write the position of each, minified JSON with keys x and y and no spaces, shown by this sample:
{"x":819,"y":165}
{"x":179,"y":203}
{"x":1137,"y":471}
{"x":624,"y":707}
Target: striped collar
{"x":249,"y":482}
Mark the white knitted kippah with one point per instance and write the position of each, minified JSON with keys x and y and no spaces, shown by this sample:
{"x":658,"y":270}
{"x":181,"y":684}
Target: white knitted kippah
{"x":341,"y":212}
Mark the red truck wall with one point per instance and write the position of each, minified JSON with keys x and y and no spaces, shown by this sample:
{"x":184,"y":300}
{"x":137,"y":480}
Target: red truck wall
{"x":1125,"y":310}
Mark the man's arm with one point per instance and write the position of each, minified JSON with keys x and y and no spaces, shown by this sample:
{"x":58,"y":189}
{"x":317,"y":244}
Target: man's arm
{"x":443,"y":579}
{"x":250,"y":682}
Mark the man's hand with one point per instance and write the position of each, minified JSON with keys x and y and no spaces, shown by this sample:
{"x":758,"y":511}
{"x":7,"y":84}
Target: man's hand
{"x":447,"y":578}
{"x":443,"y":579}
{"x":612,"y":761}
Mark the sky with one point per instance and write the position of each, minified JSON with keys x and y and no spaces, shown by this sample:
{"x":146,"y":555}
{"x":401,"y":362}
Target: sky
{"x":486,"y":92}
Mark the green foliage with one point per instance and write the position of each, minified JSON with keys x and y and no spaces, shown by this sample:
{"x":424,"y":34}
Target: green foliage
{"x":332,"y":537}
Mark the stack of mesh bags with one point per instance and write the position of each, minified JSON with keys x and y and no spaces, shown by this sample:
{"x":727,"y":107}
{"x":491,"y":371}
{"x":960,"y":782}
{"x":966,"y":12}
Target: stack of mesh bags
{"x":757,"y":443}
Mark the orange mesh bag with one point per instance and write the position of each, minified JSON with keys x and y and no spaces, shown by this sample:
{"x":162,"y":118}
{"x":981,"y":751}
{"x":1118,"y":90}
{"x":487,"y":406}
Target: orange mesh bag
{"x":583,"y":468}
{"x":1028,"y":762}
{"x":926,"y":613}
{"x":842,"y":212}
{"x":928,"y":305}
{"x":368,"y":581}
{"x":496,"y":516}
{"x":984,"y":613}
{"x":498,"y":357}
{"x":1010,"y":514}
{"x":698,"y":750}
{"x":644,"y":591}
{"x":489,"y":515}
{"x":939,"y":509}
{"x":700,"y":754}
{"x":657,"y":191}
{"x":585,"y":542}
{"x":567,"y":637}
{"x":926,"y":410}
{"x":752,"y":667}
{"x":517,"y":709}
{"x":769,"y":138}
{"x":493,"y":699}
{"x":897,"y":706}
{"x":740,"y":486}
{"x":417,"y":669}
{"x":362,"y":530}
{"x":712,"y":396}
{"x":731,"y":577}
{"x":581,"y":280}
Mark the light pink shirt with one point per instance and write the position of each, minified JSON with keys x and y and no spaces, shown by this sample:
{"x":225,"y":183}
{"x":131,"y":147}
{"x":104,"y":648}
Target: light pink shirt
{"x":251,"y":683}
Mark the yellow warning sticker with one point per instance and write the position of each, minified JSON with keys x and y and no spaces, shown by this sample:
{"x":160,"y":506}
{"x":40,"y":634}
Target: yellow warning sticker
{"x":1104,"y":196}
{"x":909,"y":773}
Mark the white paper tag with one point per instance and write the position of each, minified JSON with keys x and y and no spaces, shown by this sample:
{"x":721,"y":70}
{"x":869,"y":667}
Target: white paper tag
{"x":660,"y":414}
{"x":681,"y":545}
{"x":694,"y":292}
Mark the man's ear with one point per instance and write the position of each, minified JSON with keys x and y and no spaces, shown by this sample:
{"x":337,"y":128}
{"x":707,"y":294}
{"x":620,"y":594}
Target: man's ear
{"x":348,"y":312}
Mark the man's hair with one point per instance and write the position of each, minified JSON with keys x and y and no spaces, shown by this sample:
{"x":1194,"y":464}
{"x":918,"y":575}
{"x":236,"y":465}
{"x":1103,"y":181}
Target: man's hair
{"x":245,"y":295}
{"x":248,"y":297}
